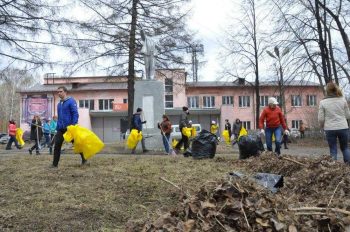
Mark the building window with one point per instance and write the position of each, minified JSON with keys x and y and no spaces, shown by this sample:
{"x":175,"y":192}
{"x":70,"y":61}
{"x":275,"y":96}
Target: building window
{"x":208,"y":102}
{"x":296,"y":100}
{"x":244,"y":101}
{"x":264,"y":100}
{"x":246,"y":124}
{"x":311,"y":100}
{"x":168,"y":85}
{"x":296,"y":124}
{"x":105,"y":104}
{"x":87,"y":104}
{"x":193,"y":102}
{"x":168,"y":92}
{"x":169,"y":101}
{"x":227,"y":100}
{"x":125,"y":100}
{"x":278,"y":98}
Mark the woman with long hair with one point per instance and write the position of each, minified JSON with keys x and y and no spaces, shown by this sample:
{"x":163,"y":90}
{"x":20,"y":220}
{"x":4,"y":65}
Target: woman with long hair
{"x":333,"y":116}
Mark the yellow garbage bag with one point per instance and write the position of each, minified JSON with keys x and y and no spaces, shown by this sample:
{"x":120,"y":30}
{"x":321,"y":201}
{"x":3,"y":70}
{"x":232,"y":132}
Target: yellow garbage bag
{"x":193,"y":132}
{"x":186,"y":131}
{"x":174,"y":143}
{"x":214,"y":128}
{"x":133,"y":138}
{"x":85,"y":141}
{"x":242,"y":132}
{"x":226,"y":136}
{"x":19,"y":136}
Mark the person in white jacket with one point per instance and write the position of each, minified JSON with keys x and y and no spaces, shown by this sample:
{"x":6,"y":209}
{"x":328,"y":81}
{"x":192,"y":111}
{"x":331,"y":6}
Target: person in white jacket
{"x":333,"y":116}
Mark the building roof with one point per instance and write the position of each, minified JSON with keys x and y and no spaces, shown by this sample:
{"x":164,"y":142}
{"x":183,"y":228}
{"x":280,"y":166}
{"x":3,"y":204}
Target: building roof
{"x":79,"y":87}
{"x":237,"y":84}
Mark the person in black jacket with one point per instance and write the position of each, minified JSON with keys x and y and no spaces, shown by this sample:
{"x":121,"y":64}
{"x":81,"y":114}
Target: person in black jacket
{"x":228,"y":127}
{"x":137,"y":124}
{"x":183,"y":123}
{"x":36,"y":133}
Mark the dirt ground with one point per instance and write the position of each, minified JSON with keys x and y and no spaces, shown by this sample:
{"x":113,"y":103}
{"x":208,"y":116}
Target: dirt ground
{"x":120,"y":192}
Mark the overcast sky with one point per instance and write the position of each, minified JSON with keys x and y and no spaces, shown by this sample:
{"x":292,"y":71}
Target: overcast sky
{"x":209,"y":19}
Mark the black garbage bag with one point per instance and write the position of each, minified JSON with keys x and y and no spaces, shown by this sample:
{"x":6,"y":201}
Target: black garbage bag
{"x":204,"y":145}
{"x":270,"y":181}
{"x":249,"y":145}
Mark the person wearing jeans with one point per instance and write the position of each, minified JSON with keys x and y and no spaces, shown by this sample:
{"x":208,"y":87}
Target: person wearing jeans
{"x":274,"y":120}
{"x":165,"y":128}
{"x":333,"y":116}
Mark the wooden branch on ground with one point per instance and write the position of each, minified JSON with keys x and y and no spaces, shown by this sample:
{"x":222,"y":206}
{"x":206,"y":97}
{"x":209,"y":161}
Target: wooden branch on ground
{"x":330,"y":200}
{"x":336,"y":210}
{"x":294,"y":161}
{"x":176,"y":186}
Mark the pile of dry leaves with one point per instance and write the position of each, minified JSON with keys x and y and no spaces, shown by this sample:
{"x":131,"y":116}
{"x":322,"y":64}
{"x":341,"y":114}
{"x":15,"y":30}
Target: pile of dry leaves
{"x":315,"y":197}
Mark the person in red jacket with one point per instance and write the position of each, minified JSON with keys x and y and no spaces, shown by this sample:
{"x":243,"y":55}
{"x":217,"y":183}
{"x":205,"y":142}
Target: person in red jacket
{"x":274,"y":119}
{"x":12,"y":133}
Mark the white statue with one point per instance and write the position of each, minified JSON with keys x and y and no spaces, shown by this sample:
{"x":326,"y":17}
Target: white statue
{"x":148,"y":50}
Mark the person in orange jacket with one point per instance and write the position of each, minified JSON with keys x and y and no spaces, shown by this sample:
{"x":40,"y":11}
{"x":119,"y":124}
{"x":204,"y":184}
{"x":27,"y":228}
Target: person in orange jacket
{"x":12,"y":133}
{"x":275,"y":123}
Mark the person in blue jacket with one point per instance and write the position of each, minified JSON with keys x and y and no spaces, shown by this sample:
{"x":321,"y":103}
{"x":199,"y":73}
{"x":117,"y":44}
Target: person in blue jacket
{"x":53,"y":131}
{"x":137,"y":124}
{"x":46,"y":131}
{"x":67,"y":115}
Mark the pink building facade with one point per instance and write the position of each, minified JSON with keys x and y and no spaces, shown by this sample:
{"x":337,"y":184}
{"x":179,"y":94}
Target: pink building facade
{"x":102,"y":101}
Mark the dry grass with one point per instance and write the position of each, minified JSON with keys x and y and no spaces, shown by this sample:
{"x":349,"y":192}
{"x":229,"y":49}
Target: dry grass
{"x":102,"y":196}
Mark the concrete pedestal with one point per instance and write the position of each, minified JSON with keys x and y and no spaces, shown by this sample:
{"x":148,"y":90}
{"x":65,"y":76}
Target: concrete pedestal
{"x":149,"y":95}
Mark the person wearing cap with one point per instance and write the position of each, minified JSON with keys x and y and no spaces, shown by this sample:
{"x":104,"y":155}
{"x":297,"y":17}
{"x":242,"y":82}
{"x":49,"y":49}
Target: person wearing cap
{"x":184,"y":122}
{"x":275,"y":123}
{"x":12,"y":133}
{"x":137,"y":124}
{"x":213,"y":127}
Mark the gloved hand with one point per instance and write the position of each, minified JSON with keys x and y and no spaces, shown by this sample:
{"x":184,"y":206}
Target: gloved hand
{"x":286,"y":132}
{"x":144,"y":122}
{"x":262,"y":132}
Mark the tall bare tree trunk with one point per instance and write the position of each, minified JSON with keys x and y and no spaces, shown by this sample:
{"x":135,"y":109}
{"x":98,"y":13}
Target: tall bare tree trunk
{"x":321,"y":42}
{"x":256,"y":57}
{"x":131,"y":65}
{"x":341,"y":29}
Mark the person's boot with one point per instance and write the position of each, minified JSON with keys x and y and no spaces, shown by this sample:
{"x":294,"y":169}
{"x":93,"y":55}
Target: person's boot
{"x":37,"y":152}
{"x":83,"y":160}
{"x":30,"y":151}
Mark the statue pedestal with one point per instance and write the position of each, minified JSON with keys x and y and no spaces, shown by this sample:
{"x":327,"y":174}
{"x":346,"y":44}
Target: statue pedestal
{"x":149,"y":95}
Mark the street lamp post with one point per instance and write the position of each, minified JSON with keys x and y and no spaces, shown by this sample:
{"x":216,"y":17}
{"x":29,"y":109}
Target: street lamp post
{"x":276,"y":55}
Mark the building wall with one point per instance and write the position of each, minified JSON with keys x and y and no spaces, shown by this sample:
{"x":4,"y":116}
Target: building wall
{"x":109,"y":127}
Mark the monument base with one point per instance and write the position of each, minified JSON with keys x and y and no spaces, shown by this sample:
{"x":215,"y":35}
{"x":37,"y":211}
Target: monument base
{"x":149,"y":95}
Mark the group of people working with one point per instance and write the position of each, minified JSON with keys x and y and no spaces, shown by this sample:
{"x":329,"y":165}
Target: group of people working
{"x":333,"y":117}
{"x":52,"y":130}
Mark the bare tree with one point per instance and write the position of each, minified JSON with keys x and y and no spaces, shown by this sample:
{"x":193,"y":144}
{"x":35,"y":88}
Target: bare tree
{"x":111,"y":39}
{"x":310,"y":34}
{"x":26,"y":30}
{"x":244,"y":46}
{"x":10,"y":81}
